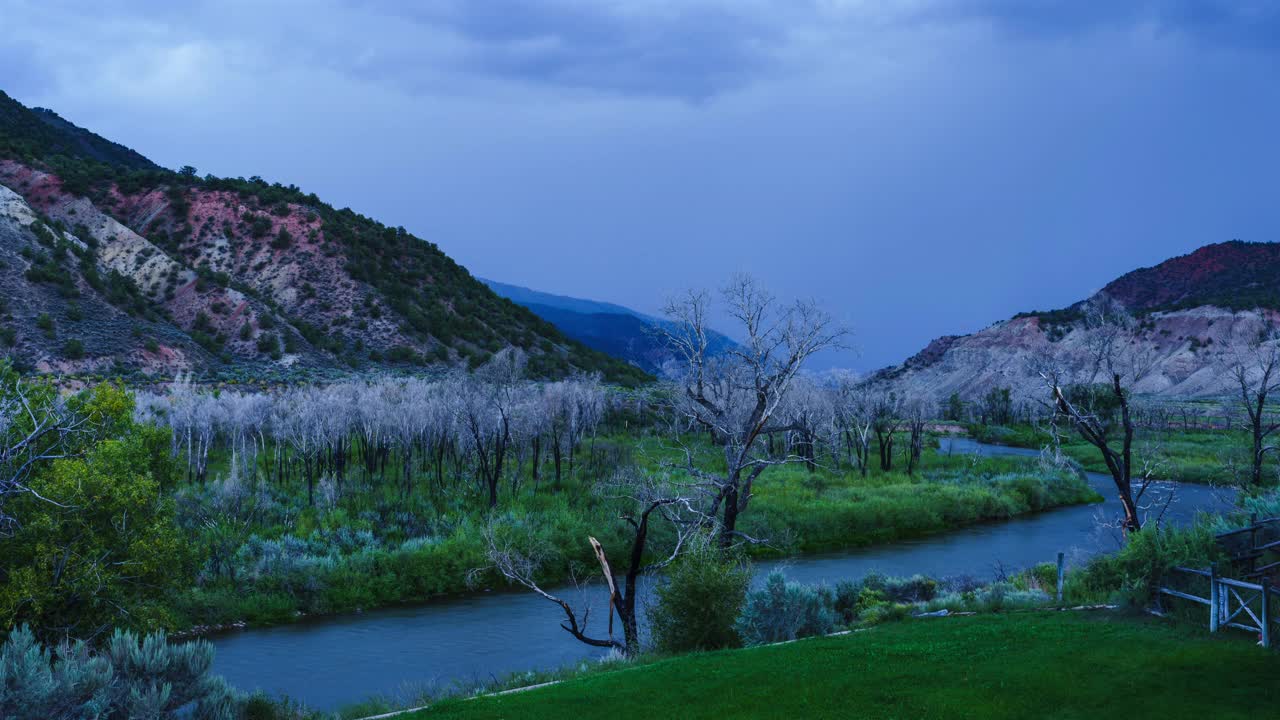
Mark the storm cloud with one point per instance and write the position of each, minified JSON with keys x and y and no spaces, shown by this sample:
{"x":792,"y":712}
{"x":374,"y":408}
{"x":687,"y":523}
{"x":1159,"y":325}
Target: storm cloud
{"x":923,"y":167}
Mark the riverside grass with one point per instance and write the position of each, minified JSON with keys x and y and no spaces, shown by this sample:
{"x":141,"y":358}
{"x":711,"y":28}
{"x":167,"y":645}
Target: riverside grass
{"x":1185,"y":455}
{"x":317,"y":561}
{"x":1043,"y":664}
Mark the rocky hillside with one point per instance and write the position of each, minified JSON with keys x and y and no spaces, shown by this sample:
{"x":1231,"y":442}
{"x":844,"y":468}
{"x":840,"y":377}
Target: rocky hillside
{"x":113,"y":264}
{"x":1189,"y":310}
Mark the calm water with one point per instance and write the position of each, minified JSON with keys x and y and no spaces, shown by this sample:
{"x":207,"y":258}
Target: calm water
{"x":338,"y":660}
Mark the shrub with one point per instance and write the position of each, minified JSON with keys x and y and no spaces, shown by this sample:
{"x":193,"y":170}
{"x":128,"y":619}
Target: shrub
{"x":129,"y":678}
{"x":73,"y":348}
{"x":1130,"y":575}
{"x":697,"y":605}
{"x":916,"y":588}
{"x":784,"y":610}
{"x":282,"y":240}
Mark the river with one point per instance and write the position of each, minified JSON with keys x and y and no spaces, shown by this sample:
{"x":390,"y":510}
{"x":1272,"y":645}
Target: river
{"x":393,"y":652}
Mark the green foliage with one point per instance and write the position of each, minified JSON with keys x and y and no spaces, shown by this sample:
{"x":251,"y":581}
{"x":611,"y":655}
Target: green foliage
{"x":282,"y":241}
{"x":784,"y":610}
{"x":98,"y":546}
{"x":697,"y":605}
{"x":1131,"y":574}
{"x":73,"y":349}
{"x":129,"y":678}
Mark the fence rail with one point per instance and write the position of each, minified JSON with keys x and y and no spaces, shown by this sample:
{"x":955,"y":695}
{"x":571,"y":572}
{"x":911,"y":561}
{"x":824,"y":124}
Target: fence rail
{"x":1232,"y":603}
{"x":1249,"y":544}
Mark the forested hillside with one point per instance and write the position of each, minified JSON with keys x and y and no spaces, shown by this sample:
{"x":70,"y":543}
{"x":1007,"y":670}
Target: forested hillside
{"x":229,"y":276}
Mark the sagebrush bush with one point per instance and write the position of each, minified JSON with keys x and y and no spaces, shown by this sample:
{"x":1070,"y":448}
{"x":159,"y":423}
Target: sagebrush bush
{"x":784,"y":610}
{"x":129,"y":678}
{"x":695,"y":609}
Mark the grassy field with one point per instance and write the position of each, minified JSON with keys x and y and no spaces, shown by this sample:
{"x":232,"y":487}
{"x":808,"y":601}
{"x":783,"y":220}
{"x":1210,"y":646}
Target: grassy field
{"x":1199,"y":456}
{"x":1021,"y":665}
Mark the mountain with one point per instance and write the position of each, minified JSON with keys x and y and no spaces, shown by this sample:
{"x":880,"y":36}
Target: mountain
{"x":613,"y":329}
{"x":525,"y":296}
{"x":1232,"y":275}
{"x":114,"y":264}
{"x":1189,"y":309}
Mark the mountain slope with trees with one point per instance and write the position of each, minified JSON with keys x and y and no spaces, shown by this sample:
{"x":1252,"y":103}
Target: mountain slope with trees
{"x":254,"y":277}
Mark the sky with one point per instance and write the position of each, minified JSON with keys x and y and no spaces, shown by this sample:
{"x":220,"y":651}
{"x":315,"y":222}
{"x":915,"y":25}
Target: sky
{"x":920,"y":167}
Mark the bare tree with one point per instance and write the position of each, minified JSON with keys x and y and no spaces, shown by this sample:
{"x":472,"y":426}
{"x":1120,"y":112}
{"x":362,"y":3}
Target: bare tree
{"x":886,"y":421}
{"x":1255,"y":367}
{"x":916,"y":413}
{"x":808,"y":411}
{"x":1096,"y":401}
{"x":736,"y":395}
{"x":651,"y":499}
{"x":854,"y":417}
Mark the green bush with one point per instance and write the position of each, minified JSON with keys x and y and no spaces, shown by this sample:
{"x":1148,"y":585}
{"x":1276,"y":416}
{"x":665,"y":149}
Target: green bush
{"x":784,"y":610}
{"x":697,"y":605}
{"x":1130,"y":575}
{"x":73,"y":349}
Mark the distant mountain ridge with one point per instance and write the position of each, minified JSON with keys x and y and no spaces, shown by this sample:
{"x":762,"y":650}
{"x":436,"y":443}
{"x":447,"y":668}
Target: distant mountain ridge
{"x":526,"y":296}
{"x":1191,"y":309}
{"x":113,"y":264}
{"x":608,"y":327}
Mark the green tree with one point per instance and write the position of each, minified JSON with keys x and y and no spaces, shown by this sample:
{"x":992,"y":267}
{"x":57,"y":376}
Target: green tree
{"x":95,"y":543}
{"x":697,"y":606}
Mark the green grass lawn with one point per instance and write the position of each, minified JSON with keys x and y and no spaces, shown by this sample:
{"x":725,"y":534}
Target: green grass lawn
{"x":1021,"y":665}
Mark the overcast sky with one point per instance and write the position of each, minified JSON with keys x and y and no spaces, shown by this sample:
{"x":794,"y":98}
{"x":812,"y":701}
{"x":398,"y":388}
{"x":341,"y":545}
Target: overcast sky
{"x":922,"y":167}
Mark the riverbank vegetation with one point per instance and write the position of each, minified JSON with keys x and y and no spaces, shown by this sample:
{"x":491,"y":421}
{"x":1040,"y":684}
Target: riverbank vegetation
{"x":271,"y":556}
{"x":262,"y":508}
{"x":1199,"y":455}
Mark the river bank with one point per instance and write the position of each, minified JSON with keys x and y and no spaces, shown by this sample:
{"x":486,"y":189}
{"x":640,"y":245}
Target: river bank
{"x":463,"y":639}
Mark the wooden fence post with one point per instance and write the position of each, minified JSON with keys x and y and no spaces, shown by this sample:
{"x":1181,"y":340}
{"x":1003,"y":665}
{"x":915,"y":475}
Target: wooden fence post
{"x":1266,"y":612}
{"x":1061,"y":565}
{"x":1213,"y":597}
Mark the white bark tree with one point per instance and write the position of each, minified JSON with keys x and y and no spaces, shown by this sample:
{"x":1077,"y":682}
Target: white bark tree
{"x":735,"y":397}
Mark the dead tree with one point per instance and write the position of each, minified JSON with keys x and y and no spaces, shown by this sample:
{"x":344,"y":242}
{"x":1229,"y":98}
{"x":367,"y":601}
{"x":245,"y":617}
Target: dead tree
{"x":886,"y":421}
{"x":1096,"y":400}
{"x":854,"y":416}
{"x":916,"y":413}
{"x":1255,"y":367}
{"x":735,"y":395}
{"x":651,"y":501}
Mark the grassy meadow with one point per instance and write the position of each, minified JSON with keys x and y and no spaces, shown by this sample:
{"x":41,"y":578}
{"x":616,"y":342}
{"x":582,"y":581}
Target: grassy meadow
{"x":1217,"y":457}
